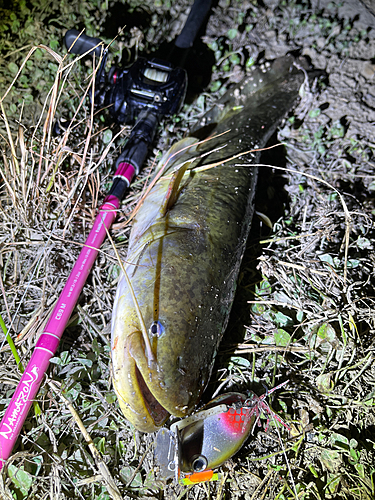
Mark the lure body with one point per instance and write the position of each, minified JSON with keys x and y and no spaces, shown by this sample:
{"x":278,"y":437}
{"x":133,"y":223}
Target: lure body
{"x":197,"y":445}
{"x":213,"y":439}
{"x":185,"y":251}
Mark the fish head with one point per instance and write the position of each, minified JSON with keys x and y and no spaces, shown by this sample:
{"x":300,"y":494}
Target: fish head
{"x":150,"y":390}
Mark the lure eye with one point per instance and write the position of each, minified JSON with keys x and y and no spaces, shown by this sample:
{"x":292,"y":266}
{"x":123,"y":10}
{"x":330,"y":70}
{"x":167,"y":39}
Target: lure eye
{"x":156,"y":328}
{"x":199,"y":463}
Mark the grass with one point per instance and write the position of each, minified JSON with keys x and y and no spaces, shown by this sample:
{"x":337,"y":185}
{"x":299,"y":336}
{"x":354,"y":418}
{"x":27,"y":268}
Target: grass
{"x":305,"y":295}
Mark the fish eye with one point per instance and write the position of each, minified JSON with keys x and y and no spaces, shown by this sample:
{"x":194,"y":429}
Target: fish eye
{"x":156,"y":328}
{"x":199,"y":463}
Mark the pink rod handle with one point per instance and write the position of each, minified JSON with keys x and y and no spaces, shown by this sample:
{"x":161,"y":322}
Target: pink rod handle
{"x":27,"y":389}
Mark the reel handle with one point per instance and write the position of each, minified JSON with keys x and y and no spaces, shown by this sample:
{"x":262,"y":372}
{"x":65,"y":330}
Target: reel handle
{"x":82,"y":44}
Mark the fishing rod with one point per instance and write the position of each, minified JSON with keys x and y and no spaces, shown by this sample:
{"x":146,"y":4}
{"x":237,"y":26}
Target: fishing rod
{"x":143,"y":93}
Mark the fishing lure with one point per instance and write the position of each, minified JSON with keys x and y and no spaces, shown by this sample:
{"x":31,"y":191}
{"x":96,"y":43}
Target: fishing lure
{"x":194,"y":447}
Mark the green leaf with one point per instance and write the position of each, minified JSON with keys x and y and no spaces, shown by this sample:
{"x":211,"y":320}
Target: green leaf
{"x":353,"y":443}
{"x":213,"y":45}
{"x":334,"y":483}
{"x":282,"y":338}
{"x":300,"y":315}
{"x":126,"y":474}
{"x":215,"y":86}
{"x":74,"y":392}
{"x":13,"y":68}
{"x":258,"y":308}
{"x":28,"y":99}
{"x":250,"y":62}
{"x":54,"y":44}
{"x":234,"y":59}
{"x":232,"y":33}
{"x":63,"y":360}
{"x":150,"y":479}
{"x":327,"y":333}
{"x":34,"y":465}
{"x":110,"y":397}
{"x":101,"y":445}
{"x":243,"y":362}
{"x":313,"y":471}
{"x":364,"y":243}
{"x":352,"y":263}
{"x":355,"y":455}
{"x":21,"y":479}
{"x":324,"y":383}
{"x":361,"y":470}
{"x":263,"y":286}
{"x":43,"y":441}
{"x":107,"y":136}
{"x":97,"y":349}
{"x":314,"y":113}
{"x":38,"y":54}
{"x":104,"y":495}
{"x":279,"y":318}
{"x":327,"y":258}
{"x":85,"y":362}
{"x":330,"y":459}
{"x":340,"y":441}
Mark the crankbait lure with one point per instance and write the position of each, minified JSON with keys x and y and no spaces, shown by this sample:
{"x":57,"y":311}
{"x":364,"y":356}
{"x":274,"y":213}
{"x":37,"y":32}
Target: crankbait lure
{"x":196,"y":445}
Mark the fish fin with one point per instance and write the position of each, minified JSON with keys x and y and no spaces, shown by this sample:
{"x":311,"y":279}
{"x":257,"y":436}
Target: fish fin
{"x":174,"y":188}
{"x":179,"y":148}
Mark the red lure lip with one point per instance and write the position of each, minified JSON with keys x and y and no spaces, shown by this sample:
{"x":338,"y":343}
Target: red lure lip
{"x":211,"y":436}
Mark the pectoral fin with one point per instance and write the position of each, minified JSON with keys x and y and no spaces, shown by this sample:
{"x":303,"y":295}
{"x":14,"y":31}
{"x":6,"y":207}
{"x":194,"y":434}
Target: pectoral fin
{"x":174,"y":188}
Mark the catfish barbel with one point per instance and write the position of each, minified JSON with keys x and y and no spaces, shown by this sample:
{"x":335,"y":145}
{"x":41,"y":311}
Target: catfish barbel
{"x":185,"y":250}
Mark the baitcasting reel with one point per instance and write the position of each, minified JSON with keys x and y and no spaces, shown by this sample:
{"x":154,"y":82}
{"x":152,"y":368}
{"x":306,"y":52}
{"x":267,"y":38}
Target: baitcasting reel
{"x":152,"y":84}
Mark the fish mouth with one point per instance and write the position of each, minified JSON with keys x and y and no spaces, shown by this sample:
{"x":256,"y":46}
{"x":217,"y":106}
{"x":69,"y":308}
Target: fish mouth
{"x":135,"y":396}
{"x":156,"y":411}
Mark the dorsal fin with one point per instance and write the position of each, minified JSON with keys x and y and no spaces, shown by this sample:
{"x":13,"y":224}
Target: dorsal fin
{"x":175,"y":152}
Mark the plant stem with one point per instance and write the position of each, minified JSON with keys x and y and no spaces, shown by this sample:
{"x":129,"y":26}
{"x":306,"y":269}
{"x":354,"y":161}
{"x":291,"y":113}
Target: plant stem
{"x":20,"y":366}
{"x":11,"y":345}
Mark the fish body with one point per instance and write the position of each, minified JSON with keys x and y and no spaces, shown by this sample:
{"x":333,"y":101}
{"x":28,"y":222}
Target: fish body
{"x":185,"y":251}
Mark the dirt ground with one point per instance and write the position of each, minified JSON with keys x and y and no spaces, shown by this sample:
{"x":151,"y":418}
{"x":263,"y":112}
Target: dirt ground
{"x":304,"y":310}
